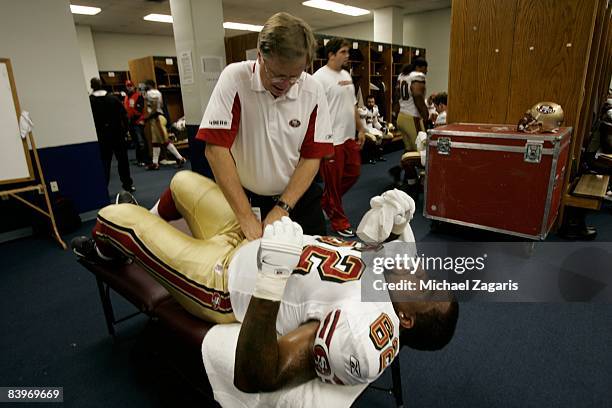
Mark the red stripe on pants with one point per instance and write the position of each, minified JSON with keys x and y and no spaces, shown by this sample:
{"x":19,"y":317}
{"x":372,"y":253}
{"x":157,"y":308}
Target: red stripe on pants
{"x":339,"y":174}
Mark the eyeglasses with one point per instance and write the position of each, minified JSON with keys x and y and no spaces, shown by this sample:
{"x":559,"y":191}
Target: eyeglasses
{"x":280,"y":79}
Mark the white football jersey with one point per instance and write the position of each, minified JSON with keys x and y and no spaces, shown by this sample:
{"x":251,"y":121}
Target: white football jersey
{"x":355,"y":340}
{"x":406,"y":101}
{"x":370,"y":120}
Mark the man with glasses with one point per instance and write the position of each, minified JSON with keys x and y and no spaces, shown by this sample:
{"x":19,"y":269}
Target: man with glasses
{"x":341,"y":171}
{"x":266,"y":129}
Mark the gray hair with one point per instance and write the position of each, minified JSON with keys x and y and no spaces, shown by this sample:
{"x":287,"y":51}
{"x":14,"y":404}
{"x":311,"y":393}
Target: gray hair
{"x":288,"y":37}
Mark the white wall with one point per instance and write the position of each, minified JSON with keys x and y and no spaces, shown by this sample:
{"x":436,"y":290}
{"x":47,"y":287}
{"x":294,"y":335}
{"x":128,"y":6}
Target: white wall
{"x":431,"y":30}
{"x":359,"y":31}
{"x":88,"y":53}
{"x":113,"y":51}
{"x":44,"y":53}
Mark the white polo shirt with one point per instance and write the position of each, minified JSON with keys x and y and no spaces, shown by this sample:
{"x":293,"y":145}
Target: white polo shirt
{"x":267,"y":136}
{"x":340,"y":92}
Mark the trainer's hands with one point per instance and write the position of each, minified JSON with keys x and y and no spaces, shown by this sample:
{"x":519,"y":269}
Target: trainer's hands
{"x":251,"y":226}
{"x":279,"y":254}
{"x":275,"y":214}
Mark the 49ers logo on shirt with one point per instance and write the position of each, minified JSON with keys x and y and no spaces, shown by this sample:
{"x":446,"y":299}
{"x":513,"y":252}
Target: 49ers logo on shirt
{"x":321,"y":361}
{"x":294,"y":123}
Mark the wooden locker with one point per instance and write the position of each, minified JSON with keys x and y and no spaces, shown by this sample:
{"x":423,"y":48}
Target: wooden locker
{"x":551,"y":48}
{"x":480,"y":57}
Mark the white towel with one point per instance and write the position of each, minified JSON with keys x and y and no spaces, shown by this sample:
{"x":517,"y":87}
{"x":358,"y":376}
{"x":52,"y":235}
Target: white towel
{"x":421,"y":145}
{"x":25,"y":124}
{"x":218,"y":353}
{"x":390,"y":212}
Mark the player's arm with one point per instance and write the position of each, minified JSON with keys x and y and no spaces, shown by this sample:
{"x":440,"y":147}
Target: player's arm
{"x":418,"y":93}
{"x":264,"y":363}
{"x":360,"y":128}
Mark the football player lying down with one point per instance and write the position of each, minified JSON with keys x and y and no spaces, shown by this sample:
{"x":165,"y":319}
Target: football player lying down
{"x":297,"y":296}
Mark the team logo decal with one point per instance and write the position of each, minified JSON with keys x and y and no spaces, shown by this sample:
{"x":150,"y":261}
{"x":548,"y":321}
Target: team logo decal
{"x":215,"y":301}
{"x":321,"y":361}
{"x":355,"y":369}
{"x":547,"y":109}
{"x":294,"y":123}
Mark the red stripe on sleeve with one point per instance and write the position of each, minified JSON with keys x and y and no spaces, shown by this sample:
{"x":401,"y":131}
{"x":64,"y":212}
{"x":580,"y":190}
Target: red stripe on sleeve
{"x":332,"y":328}
{"x":325,"y":323}
{"x":311,"y":149}
{"x":223,"y":137}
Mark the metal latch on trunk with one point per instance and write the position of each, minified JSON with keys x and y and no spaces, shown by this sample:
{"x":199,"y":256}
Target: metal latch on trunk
{"x":444,"y":145}
{"x":533,"y":151}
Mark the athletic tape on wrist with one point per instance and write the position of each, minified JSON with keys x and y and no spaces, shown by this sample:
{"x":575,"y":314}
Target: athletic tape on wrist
{"x":270,"y":287}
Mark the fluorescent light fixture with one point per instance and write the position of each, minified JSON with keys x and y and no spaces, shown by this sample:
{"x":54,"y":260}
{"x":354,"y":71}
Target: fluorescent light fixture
{"x":89,"y":11}
{"x":160,"y":18}
{"x":240,"y":26}
{"x":336,"y":7}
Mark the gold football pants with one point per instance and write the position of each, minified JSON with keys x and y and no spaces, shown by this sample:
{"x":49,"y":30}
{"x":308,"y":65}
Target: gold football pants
{"x":410,"y":126}
{"x":192,"y":269}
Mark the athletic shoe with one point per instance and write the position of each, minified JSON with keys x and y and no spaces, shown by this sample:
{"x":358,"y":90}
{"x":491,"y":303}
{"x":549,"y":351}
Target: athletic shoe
{"x":125,"y":197}
{"x":85,"y":248}
{"x":181,"y":162}
{"x":153,"y":166}
{"x":346,"y":233}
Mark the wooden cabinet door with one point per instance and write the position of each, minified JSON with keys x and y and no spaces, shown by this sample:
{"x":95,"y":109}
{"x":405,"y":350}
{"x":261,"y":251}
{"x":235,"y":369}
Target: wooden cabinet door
{"x":549,"y":61}
{"x":480,"y":57}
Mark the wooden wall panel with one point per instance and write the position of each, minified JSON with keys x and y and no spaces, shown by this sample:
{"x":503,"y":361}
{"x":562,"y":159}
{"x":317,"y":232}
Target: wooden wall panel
{"x":544,"y":68}
{"x":235,"y":47}
{"x":480,"y":57}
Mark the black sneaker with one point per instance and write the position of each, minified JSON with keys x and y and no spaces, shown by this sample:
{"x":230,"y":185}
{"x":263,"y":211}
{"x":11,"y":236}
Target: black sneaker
{"x":346,"y":233}
{"x":85,"y":248}
{"x":125,"y":197}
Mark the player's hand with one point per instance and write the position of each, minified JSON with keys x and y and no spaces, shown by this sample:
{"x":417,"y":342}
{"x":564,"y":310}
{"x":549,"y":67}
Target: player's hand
{"x":404,"y":208}
{"x":279,"y":254}
{"x":275,"y":214}
{"x":361,"y":138}
{"x":251,"y":226}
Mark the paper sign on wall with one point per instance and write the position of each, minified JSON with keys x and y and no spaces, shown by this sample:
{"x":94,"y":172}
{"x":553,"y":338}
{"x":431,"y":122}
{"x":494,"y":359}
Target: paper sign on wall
{"x":111,"y":74}
{"x":187,"y":67}
{"x":325,"y":41}
{"x":211,"y":64}
{"x":417,"y":52}
{"x":401,"y":51}
{"x":355,"y":45}
{"x":380,"y":48}
{"x":169,"y":61}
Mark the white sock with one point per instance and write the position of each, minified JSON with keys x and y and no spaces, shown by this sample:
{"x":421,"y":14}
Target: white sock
{"x":154,"y":209}
{"x":156,"y":151}
{"x":172,"y":149}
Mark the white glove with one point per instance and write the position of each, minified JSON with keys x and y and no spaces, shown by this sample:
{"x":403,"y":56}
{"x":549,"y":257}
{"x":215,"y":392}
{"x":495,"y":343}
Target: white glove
{"x":279,"y":253}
